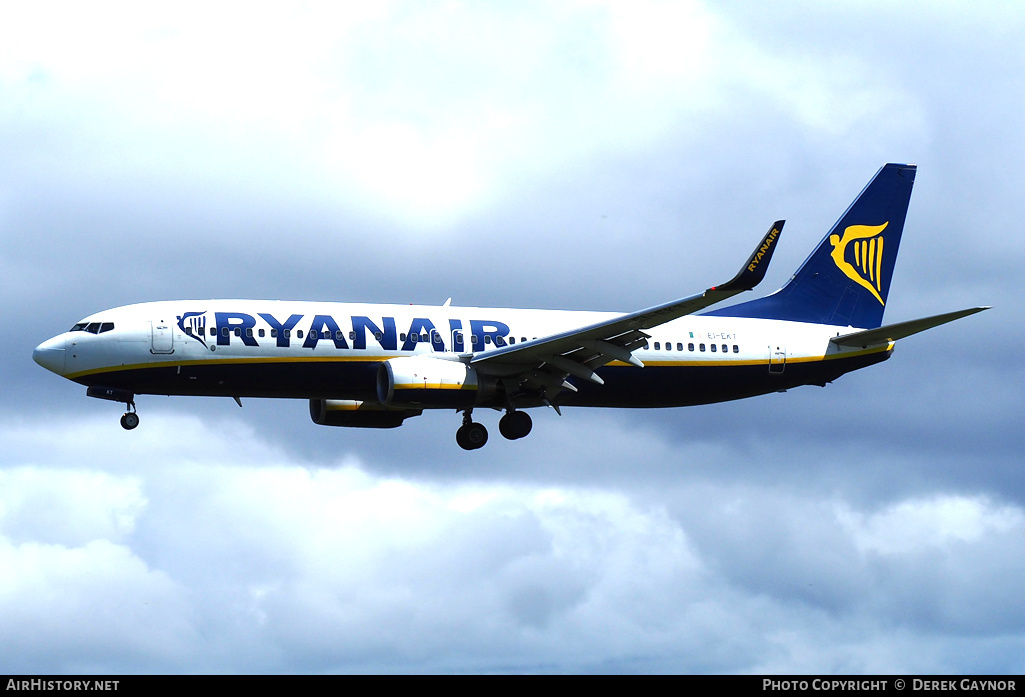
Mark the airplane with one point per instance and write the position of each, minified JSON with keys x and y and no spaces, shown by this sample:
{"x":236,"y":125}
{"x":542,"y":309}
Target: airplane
{"x":374,"y":366}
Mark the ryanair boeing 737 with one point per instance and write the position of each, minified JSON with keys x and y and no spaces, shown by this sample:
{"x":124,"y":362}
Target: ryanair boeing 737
{"x":374,"y":366}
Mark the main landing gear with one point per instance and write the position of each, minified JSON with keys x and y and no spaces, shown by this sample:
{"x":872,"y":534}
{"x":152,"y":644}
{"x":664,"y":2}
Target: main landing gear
{"x":472,"y":435}
{"x":515,"y":424}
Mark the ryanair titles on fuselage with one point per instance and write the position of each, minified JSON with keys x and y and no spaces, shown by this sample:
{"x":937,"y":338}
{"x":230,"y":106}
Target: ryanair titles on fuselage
{"x":241,"y":326}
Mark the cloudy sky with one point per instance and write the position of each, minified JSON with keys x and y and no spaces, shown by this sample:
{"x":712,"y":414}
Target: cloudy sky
{"x":577,"y":155}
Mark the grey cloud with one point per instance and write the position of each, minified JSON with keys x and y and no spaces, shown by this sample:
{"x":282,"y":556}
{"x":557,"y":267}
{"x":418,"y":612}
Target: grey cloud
{"x":340,"y":569}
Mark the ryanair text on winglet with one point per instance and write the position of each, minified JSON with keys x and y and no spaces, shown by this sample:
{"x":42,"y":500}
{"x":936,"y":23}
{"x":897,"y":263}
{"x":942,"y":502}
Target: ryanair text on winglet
{"x":769,"y":240}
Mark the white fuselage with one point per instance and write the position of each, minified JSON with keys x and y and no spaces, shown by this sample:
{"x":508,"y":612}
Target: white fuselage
{"x":322,"y":350}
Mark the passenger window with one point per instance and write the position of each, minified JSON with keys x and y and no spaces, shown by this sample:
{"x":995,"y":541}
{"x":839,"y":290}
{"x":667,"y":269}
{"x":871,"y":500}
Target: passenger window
{"x":298,"y":333}
{"x":238,"y":331}
{"x":249,"y":332}
{"x":679,"y":346}
{"x":274,"y":333}
{"x":339,"y":335}
{"x":288,"y":333}
{"x":213,"y":331}
{"x":261,"y":333}
{"x":523,"y":339}
{"x":713,"y":348}
{"x":473,"y":338}
{"x":725,"y":348}
{"x":224,"y":331}
{"x":378,"y":336}
{"x":188,"y":331}
{"x":423,"y":337}
{"x":736,"y":349}
{"x":658,"y":346}
{"x":487,"y":338}
{"x":414,"y":338}
{"x":512,"y":339}
{"x":701,"y":347}
{"x":352,"y":336}
{"x":690,"y":347}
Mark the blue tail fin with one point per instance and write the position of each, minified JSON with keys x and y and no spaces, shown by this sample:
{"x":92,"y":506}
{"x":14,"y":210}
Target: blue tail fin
{"x":846,"y":279}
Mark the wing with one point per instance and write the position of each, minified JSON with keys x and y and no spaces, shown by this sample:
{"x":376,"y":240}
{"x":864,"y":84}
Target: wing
{"x":544,"y":364}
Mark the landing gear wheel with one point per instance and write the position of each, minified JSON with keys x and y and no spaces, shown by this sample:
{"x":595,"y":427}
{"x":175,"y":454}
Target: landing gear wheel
{"x":515,"y":424}
{"x":471,"y":436}
{"x":129,"y":420}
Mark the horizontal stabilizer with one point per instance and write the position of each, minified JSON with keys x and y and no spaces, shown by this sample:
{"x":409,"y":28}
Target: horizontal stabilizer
{"x":892,"y":332}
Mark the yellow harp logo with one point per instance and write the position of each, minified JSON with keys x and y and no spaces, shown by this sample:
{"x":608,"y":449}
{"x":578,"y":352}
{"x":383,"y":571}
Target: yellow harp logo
{"x":867,"y":245}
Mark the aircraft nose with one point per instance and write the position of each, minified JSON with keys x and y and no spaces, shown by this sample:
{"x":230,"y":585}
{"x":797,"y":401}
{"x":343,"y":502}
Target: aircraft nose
{"x":50,"y":354}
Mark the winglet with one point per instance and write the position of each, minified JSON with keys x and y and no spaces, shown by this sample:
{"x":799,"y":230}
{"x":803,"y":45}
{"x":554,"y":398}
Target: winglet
{"x":755,"y":267}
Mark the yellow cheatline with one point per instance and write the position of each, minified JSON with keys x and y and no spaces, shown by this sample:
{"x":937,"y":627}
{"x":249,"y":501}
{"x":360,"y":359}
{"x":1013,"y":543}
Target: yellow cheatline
{"x":231,"y":361}
{"x":379,"y":359}
{"x":434,"y":386}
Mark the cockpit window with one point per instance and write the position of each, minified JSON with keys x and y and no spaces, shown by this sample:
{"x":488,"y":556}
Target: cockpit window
{"x":93,"y":327}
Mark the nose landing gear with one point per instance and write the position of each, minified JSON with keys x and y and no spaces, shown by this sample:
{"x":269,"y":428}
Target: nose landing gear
{"x":130,"y":419}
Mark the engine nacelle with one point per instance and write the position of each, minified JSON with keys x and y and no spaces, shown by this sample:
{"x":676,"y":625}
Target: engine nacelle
{"x":352,"y":414}
{"x":422,"y":382}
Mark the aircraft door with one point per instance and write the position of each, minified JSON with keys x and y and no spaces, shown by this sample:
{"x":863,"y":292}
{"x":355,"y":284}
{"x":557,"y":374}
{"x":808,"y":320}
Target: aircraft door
{"x":777,"y":359}
{"x":162,"y":337}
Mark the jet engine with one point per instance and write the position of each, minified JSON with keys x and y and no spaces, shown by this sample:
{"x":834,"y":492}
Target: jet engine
{"x":352,"y":414}
{"x":422,"y":382}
